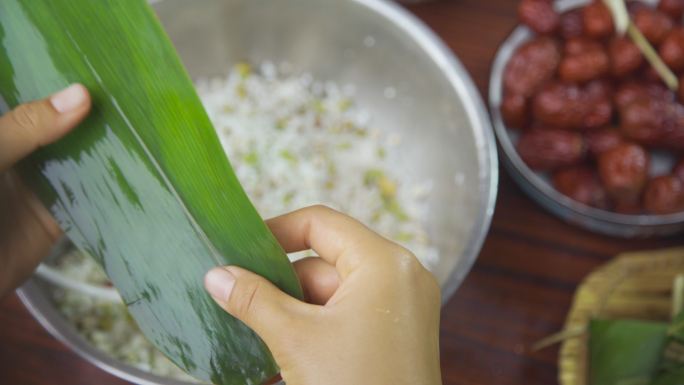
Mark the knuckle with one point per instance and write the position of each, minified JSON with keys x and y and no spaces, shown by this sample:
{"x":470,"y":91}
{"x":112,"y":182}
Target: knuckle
{"x":320,"y":210}
{"x":26,"y":116}
{"x":406,"y":271}
{"x":407,"y":263}
{"x":412,"y":270}
{"x":243,"y":299}
{"x":25,"y":122}
{"x":433,"y":288}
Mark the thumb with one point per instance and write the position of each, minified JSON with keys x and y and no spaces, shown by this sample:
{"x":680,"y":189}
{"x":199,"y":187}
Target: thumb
{"x":253,"y":300}
{"x":35,"y":124}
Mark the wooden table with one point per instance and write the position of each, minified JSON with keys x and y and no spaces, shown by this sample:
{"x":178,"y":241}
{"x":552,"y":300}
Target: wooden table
{"x":518,"y":292}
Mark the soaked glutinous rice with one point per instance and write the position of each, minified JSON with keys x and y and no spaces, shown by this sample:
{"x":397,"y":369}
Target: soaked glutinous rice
{"x":293,"y":142}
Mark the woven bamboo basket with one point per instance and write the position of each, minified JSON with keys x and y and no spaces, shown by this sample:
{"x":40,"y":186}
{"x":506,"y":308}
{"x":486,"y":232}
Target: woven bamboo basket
{"x":634,"y":286}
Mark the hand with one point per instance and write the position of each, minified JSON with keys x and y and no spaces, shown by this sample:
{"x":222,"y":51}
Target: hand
{"x":374,"y":317}
{"x":27,"y":230}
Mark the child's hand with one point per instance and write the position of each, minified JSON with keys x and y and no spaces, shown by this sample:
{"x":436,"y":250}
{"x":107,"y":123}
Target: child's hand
{"x":375,"y":312}
{"x":27,"y":230}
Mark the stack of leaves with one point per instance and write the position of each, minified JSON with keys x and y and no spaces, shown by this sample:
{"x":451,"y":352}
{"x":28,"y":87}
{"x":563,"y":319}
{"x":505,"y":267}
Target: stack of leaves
{"x":620,"y":330}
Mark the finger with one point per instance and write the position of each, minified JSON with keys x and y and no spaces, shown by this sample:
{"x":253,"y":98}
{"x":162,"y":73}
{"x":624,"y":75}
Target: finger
{"x":337,"y":238}
{"x":254,"y":301}
{"x":319,"y":279}
{"x":36,"y":124}
{"x":28,"y":231}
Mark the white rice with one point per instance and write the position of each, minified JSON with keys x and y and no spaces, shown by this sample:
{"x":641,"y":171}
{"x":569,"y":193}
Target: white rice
{"x":293,"y":143}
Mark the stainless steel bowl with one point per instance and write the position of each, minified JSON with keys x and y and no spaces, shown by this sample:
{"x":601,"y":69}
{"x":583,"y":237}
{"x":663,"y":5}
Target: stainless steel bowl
{"x":403,"y":74}
{"x":538,"y":186}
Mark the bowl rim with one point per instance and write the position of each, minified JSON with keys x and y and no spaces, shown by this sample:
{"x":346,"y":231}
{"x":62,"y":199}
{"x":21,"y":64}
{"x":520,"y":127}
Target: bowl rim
{"x":517,"y":37}
{"x":461,"y":82}
{"x":31,"y":294}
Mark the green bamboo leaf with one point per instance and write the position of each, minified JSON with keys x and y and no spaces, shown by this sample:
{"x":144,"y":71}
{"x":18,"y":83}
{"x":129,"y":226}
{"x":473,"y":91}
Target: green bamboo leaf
{"x":143,"y":185}
{"x":624,"y":351}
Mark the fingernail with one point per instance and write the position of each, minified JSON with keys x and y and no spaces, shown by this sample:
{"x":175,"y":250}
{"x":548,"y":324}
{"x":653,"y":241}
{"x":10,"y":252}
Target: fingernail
{"x":69,"y":98}
{"x":219,"y":283}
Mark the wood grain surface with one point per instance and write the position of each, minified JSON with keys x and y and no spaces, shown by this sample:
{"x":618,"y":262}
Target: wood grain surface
{"x":518,"y":292}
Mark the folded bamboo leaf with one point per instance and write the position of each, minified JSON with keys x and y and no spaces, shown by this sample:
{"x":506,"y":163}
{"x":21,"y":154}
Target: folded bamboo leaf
{"x":143,"y":184}
{"x":624,"y":351}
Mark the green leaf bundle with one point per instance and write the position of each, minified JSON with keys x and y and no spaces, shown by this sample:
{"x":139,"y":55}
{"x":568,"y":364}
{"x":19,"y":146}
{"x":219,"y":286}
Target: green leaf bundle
{"x":625,"y":352}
